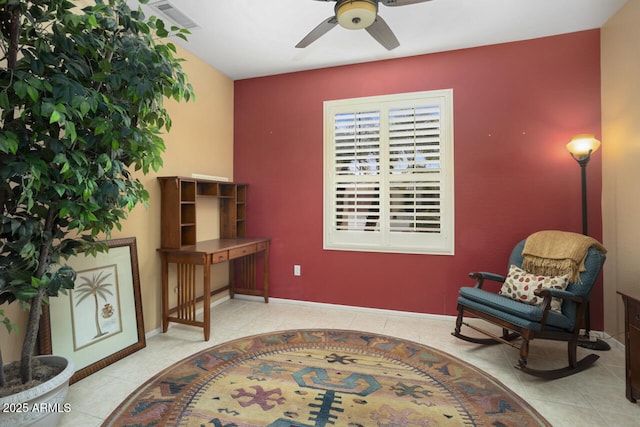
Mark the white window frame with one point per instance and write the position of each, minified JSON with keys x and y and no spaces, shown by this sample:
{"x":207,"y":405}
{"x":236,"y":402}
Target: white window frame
{"x":376,"y":236}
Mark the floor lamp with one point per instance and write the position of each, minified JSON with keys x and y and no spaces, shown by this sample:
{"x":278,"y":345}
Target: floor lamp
{"x":581,"y":147}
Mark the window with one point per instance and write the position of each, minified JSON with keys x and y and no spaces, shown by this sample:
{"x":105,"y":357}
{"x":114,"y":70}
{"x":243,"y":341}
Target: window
{"x":388,"y":165}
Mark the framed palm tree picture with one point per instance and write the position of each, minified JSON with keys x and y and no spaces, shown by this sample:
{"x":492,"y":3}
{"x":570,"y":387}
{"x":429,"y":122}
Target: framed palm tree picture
{"x":100,"y":320}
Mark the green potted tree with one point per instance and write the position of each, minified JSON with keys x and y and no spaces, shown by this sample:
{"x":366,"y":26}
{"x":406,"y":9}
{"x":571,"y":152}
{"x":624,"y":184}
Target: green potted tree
{"x":81,"y":99}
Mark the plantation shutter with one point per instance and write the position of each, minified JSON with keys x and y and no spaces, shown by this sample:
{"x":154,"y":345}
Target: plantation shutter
{"x":414,"y":159}
{"x":388,"y":173}
{"x":357,"y":170}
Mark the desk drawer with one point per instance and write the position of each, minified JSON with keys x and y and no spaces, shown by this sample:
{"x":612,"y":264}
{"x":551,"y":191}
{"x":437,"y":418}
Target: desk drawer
{"x":633,"y":311}
{"x":219,"y":257}
{"x":262,"y":246}
{"x":238,"y":252}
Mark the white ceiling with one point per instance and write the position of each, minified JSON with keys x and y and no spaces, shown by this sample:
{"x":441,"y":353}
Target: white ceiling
{"x":251,"y":38}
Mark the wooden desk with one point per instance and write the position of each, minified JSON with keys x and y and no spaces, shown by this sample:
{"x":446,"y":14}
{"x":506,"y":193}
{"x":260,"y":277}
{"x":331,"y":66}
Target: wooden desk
{"x":241,"y":252}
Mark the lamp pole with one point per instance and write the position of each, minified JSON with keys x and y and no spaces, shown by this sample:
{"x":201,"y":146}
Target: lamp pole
{"x":583,"y":172}
{"x":577,"y":148}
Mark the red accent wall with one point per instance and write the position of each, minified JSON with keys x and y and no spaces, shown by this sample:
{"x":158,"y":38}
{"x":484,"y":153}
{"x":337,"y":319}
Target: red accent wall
{"x":516,"y":105}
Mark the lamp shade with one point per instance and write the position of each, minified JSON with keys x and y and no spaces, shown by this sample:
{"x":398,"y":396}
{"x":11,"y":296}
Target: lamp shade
{"x":356,"y":14}
{"x":583,"y":145}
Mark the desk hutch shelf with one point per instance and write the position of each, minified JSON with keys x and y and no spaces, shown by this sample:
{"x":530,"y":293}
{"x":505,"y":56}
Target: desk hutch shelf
{"x":179,"y":203}
{"x":180,"y":246}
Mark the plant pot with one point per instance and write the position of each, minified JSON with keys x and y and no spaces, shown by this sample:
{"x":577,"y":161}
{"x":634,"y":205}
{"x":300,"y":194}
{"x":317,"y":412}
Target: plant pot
{"x":40,"y":406}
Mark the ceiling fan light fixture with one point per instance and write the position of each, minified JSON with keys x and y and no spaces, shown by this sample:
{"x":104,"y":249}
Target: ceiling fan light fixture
{"x":356,"y":14}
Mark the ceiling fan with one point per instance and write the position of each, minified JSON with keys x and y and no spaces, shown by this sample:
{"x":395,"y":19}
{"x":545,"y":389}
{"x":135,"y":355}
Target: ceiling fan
{"x":356,"y":15}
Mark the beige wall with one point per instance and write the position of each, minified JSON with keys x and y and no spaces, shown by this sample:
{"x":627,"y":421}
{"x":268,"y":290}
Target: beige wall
{"x":621,"y":160}
{"x":200,"y":141}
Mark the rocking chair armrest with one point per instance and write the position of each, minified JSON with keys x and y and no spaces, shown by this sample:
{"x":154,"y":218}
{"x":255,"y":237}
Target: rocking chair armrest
{"x":550,"y":293}
{"x":559,"y":293}
{"x":480,"y":277}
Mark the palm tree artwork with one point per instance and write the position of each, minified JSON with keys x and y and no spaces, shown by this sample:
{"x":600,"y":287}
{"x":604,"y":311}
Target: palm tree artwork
{"x":97,"y":287}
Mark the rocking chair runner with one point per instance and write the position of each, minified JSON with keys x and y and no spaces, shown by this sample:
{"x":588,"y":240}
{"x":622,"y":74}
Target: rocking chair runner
{"x":527,"y":321}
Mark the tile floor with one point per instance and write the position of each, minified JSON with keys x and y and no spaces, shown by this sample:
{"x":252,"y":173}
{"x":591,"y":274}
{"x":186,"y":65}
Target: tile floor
{"x":594,"y":397}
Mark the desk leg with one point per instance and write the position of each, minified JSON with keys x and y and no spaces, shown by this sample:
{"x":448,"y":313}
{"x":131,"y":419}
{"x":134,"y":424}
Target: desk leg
{"x":165,"y":292}
{"x":232,"y":278}
{"x":206,"y":302}
{"x":265,"y":274}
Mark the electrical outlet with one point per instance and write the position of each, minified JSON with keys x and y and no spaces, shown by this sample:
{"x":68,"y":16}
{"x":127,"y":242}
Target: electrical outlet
{"x":296,"y":270}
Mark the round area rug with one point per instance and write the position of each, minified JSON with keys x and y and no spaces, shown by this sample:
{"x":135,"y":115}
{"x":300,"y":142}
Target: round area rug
{"x":319,"y":378}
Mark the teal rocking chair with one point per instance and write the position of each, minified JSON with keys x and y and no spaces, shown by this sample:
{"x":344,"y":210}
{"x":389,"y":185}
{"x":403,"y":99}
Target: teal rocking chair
{"x":529,"y":321}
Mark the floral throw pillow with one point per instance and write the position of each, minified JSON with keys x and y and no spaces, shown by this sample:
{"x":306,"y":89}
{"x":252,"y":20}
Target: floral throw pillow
{"x":520,"y":286}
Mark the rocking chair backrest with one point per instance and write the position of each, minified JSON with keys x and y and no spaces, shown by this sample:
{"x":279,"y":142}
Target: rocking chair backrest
{"x":593,"y":264}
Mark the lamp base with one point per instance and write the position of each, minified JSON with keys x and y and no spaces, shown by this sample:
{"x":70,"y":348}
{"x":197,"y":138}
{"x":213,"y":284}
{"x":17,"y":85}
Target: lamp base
{"x":593,"y":344}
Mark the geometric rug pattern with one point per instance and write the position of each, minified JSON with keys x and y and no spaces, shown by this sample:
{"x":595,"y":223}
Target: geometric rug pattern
{"x":317,"y":378}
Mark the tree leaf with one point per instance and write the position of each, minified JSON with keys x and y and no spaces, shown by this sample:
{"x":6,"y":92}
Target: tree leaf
{"x":60,"y":189}
{"x":4,"y":100}
{"x":55,"y":117}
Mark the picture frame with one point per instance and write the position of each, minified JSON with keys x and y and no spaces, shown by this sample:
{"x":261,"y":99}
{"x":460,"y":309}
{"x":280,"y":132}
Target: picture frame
{"x":99,"y":321}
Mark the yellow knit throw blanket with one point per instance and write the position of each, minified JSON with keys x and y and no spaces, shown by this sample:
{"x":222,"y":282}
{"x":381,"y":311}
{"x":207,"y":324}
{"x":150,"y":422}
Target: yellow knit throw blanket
{"x":556,"y":253}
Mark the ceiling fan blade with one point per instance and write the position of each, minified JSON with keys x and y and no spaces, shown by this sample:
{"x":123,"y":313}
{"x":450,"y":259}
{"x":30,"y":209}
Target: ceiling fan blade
{"x":380,"y":31}
{"x":393,"y":3}
{"x":318,"y":32}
